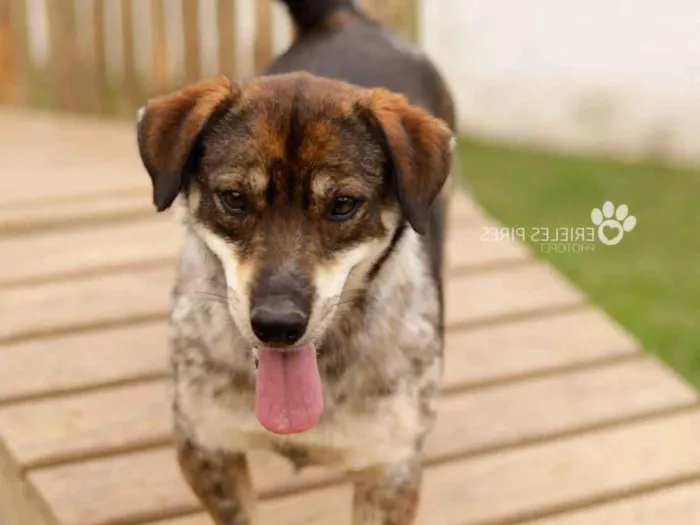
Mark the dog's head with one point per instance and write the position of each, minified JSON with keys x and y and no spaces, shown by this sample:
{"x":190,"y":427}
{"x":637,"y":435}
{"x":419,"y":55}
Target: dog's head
{"x":297,"y":184}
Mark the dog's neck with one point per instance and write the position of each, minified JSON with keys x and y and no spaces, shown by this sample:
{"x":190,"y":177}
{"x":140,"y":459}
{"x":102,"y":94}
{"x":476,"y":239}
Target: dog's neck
{"x":395,"y":274}
{"x":380,"y":315}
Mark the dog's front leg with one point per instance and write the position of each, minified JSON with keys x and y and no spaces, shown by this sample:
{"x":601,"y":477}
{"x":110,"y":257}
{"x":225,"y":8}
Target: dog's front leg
{"x":221,"y":481}
{"x":388,"y":495}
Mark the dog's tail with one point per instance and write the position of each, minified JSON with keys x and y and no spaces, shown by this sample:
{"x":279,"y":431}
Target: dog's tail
{"x":310,"y":14}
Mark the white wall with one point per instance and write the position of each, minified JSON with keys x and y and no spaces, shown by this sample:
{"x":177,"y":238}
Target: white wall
{"x":612,"y":76}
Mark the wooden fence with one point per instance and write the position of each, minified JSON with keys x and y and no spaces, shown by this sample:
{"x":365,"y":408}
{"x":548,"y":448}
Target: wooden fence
{"x":108,"y":56}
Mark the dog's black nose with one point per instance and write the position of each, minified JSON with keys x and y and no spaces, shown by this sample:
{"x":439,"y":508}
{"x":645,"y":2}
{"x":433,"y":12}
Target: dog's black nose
{"x":282,"y":324}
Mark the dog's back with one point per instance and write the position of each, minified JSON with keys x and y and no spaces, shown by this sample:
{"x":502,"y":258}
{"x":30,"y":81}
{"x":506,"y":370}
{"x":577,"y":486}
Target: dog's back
{"x":337,"y":40}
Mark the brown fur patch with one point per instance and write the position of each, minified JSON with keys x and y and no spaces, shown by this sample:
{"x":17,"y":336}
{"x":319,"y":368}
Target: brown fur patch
{"x":167,"y":132}
{"x":420,"y":149}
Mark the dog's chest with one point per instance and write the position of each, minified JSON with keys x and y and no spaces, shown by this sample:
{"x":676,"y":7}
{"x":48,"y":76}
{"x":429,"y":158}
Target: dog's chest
{"x":384,"y":431}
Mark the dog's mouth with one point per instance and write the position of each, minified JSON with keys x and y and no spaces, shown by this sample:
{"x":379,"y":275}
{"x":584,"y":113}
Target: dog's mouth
{"x":289,"y":397}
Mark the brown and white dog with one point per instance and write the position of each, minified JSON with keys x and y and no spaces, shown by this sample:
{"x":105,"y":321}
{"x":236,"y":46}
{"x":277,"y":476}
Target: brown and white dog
{"x":307,"y":315}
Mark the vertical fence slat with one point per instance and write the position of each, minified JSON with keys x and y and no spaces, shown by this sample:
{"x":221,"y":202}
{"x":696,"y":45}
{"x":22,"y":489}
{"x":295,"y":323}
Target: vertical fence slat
{"x":75,"y":81}
{"x":190,"y":20}
{"x":23,"y":60}
{"x":130,"y":79}
{"x":99,"y":61}
{"x":9,"y":68}
{"x":161,"y":75}
{"x":263,"y":34}
{"x":225,"y":19}
{"x":64,"y":55}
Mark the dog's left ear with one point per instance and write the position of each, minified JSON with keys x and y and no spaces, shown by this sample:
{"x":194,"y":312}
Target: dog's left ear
{"x":168,"y":128}
{"x":419,"y":147}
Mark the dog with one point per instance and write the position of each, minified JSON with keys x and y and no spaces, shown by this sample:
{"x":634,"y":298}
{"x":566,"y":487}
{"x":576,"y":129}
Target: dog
{"x":307,"y":310}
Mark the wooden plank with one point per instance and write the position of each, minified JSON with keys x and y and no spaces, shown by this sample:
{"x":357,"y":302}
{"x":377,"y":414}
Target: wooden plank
{"x":509,"y":292}
{"x":68,"y":428}
{"x":466,"y":250}
{"x":56,"y":214}
{"x":55,"y":308}
{"x":466,"y":425}
{"x":75,"y":426}
{"x":78,"y":361}
{"x":80,"y":252}
{"x":475,"y":357}
{"x":560,"y":404}
{"x":566,"y":473}
{"x":534,"y":346}
{"x":226,"y":34}
{"x":79,"y":157}
{"x":463,"y":208}
{"x":146,"y":485}
{"x":522,"y":484}
{"x":673,"y":506}
{"x":263,"y":35}
{"x":19,"y":503}
{"x":190,"y":20}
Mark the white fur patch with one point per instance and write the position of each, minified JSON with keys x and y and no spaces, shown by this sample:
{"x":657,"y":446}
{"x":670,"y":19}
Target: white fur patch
{"x":237,"y":278}
{"x":330,"y":280}
{"x":343,"y":277}
{"x":357,"y":440}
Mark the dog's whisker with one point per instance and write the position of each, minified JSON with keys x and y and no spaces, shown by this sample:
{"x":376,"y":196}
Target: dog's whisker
{"x":209,"y":295}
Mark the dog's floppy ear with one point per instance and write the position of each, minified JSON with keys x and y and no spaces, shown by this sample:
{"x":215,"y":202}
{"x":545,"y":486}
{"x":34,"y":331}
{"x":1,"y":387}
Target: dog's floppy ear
{"x":419,"y":147}
{"x":168,"y":128}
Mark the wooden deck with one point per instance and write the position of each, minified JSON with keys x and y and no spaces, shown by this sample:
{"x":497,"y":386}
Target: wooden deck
{"x":551,"y":414}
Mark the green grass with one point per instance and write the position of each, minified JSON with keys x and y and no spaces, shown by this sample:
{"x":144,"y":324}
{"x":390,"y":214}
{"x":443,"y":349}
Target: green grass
{"x":650,"y":282}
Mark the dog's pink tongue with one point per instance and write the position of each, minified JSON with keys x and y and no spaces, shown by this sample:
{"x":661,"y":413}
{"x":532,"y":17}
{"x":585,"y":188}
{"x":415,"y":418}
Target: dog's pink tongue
{"x":288,"y":391}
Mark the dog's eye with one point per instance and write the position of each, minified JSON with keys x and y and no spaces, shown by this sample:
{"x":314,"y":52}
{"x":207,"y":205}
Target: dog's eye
{"x":343,"y":208}
{"x":234,"y":202}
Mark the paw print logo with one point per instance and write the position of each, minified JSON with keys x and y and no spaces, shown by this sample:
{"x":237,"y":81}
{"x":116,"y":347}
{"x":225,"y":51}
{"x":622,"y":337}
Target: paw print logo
{"x":613,"y":223}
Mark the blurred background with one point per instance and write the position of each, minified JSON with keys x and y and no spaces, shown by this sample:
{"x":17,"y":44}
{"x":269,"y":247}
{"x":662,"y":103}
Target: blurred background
{"x":562,"y":105}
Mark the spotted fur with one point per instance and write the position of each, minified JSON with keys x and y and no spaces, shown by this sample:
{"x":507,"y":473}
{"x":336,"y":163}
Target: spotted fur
{"x":290,"y":143}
